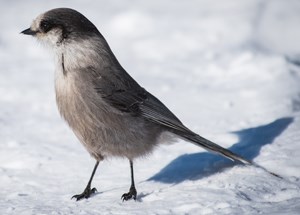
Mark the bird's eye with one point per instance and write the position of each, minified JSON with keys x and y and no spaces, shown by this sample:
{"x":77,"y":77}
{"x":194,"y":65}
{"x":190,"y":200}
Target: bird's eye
{"x":45,"y":26}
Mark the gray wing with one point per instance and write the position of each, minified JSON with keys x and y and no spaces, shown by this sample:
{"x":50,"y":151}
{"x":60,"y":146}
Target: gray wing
{"x":127,"y":96}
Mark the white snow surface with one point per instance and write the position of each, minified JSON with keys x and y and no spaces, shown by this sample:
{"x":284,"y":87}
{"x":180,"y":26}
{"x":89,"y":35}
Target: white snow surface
{"x":228,"y":69}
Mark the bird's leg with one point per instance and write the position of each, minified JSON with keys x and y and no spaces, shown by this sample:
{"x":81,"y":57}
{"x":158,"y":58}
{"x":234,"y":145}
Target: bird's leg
{"x":87,"y":191}
{"x":132,"y":191}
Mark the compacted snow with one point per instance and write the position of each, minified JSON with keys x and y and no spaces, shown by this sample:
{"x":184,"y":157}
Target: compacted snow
{"x":230,"y":70}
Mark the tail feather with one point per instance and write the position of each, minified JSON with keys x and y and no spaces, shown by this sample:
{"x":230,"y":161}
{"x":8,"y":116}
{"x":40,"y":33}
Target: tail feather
{"x":213,"y":147}
{"x":210,"y":146}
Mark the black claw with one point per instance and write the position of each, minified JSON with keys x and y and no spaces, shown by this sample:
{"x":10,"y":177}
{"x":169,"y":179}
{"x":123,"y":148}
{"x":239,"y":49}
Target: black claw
{"x":86,"y":194}
{"x":130,"y":195}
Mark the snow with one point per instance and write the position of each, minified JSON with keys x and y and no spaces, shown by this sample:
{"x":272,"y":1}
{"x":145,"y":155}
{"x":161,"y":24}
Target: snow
{"x":230,"y":71}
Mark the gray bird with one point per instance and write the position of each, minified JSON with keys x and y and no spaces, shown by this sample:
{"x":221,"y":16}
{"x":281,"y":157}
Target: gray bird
{"x":109,"y":112}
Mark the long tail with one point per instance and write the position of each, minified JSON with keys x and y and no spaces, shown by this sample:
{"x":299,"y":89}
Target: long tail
{"x":213,"y":147}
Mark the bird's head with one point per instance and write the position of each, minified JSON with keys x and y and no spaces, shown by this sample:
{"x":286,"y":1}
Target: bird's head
{"x":61,"y":25}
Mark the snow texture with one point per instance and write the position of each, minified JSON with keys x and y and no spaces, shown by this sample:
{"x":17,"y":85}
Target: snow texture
{"x":230,"y":70}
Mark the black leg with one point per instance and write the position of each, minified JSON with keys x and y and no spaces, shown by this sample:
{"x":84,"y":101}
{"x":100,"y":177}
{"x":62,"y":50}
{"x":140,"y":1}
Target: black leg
{"x":87,"y":191}
{"x":132,"y":191}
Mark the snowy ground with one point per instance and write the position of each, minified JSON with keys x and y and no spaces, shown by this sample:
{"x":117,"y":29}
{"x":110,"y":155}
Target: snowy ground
{"x":229,"y":70}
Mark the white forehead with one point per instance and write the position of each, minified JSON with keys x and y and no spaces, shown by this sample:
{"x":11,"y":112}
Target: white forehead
{"x":36,"y":22}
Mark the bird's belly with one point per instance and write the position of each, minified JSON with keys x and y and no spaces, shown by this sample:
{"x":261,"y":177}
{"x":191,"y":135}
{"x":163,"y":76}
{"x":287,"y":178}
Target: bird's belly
{"x":110,"y":134}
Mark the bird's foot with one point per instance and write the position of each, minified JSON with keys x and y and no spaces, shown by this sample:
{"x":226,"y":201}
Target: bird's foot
{"x":131,"y":194}
{"x":85,"y":194}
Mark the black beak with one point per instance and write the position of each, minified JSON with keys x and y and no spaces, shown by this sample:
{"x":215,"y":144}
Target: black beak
{"x":28,"y":32}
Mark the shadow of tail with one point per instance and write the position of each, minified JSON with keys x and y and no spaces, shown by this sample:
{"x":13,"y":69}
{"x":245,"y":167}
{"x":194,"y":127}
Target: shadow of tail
{"x":198,"y":165}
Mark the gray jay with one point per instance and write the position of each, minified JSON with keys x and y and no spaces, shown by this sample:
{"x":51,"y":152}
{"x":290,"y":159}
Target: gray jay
{"x":109,"y":112}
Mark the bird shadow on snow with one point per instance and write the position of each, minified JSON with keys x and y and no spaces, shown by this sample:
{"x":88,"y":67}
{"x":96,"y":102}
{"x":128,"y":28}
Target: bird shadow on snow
{"x":198,"y":165}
